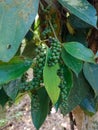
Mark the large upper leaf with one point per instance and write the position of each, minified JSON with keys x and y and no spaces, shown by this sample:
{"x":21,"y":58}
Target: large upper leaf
{"x":39,"y":107}
{"x":13,"y":69}
{"x":82,"y":9}
{"x":79,"y":51}
{"x":91,"y":74}
{"x":71,"y":62}
{"x":16,"y":17}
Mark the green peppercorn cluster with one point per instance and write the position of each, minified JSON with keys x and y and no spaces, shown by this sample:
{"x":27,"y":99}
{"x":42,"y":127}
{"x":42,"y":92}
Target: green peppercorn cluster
{"x":35,"y":102}
{"x":63,"y":90}
{"x":55,"y":49}
{"x":39,"y":65}
{"x":64,"y":97}
{"x":25,"y":86}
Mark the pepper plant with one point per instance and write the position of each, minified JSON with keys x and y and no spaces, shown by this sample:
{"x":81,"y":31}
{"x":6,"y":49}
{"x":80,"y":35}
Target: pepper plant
{"x":60,"y":38}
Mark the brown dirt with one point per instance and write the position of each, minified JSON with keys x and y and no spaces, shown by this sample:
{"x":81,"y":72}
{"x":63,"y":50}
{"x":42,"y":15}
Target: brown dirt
{"x":18,"y":118}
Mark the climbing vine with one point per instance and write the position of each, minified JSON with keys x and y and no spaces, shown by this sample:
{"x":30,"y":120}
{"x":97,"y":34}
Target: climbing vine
{"x":58,"y":41}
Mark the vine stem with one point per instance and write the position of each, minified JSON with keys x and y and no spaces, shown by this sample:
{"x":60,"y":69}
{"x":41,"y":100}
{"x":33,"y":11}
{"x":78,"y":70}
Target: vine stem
{"x":52,"y":28}
{"x":36,"y":34}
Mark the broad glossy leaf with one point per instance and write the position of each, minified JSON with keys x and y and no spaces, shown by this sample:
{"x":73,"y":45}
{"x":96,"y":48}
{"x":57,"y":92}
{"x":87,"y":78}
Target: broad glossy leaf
{"x":71,"y":62}
{"x":91,"y":74}
{"x":3,"y":97}
{"x":79,"y":91}
{"x":39,"y":107}
{"x":52,"y":81}
{"x":11,"y":88}
{"x":79,"y":51}
{"x":16,"y":18}
{"x":78,"y":23}
{"x":82,"y":9}
{"x":13,"y":69}
{"x":88,"y":105}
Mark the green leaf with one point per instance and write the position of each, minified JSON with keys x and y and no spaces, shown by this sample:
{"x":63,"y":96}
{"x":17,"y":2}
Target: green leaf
{"x":71,"y":62}
{"x":13,"y":69}
{"x":88,"y":105}
{"x":91,"y":74}
{"x":77,"y":23}
{"x":68,"y":77}
{"x":16,"y":18}
{"x":11,"y":88}
{"x":52,"y":81}
{"x":82,"y":9}
{"x":79,"y":51}
{"x":79,"y":91}
{"x":3,"y":97}
{"x":39,"y":107}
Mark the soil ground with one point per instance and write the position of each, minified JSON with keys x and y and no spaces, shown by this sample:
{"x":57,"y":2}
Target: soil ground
{"x":18,"y":118}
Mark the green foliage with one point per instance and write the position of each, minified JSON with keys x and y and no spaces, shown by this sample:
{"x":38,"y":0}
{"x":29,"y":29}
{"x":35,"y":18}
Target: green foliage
{"x":78,"y":23}
{"x":79,"y":51}
{"x":71,"y":62}
{"x":53,"y":58}
{"x":39,"y":107}
{"x":82,"y":9}
{"x":16,"y":18}
{"x":88,"y":105}
{"x":52,"y":82}
{"x":91,"y":74}
{"x":12,"y":88}
{"x":13,"y":69}
{"x":79,"y":91}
